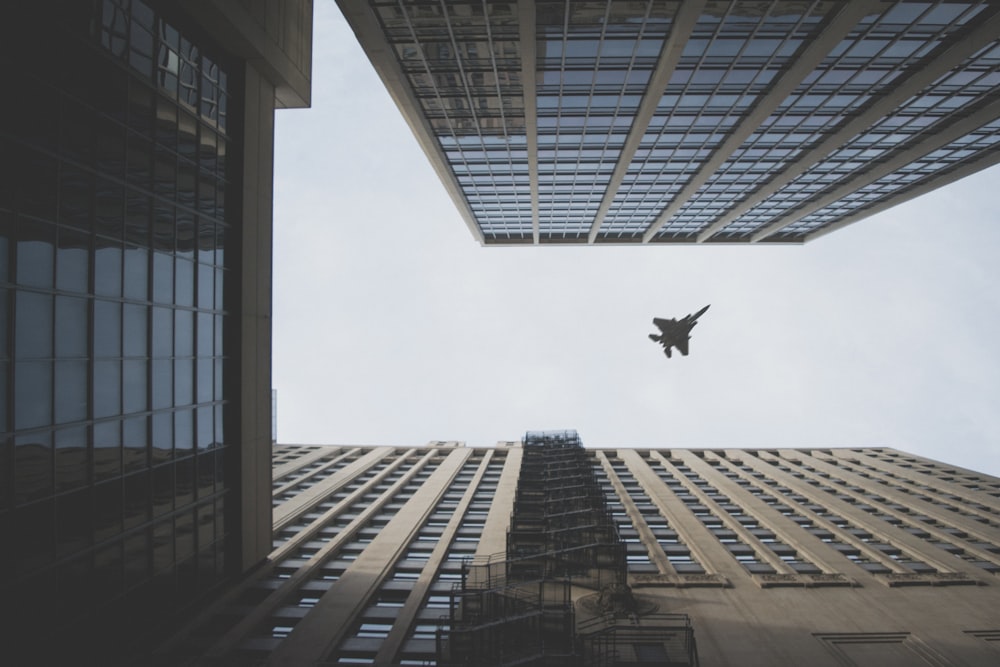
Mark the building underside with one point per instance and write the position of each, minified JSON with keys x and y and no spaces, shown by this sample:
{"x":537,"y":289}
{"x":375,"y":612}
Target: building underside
{"x":636,"y":122}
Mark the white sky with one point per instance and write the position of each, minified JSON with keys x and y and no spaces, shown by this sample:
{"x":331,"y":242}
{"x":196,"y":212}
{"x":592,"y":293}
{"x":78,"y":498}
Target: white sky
{"x":393,"y":326}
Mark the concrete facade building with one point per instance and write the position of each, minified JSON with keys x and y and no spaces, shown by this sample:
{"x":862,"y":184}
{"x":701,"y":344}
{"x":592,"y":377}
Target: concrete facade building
{"x":135,"y":281}
{"x":824,"y":557}
{"x":622,"y":121}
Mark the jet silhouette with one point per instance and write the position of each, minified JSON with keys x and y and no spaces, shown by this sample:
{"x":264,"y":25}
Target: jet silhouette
{"x":676,"y":333}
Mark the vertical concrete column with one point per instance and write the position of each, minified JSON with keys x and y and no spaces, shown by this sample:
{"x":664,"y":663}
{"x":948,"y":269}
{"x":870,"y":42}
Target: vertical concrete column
{"x":494,"y":538}
{"x":703,"y":545}
{"x":815,"y":551}
{"x":393,"y":644}
{"x":527,"y":50}
{"x":656,"y":554}
{"x":254,"y":276}
{"x":321,"y":631}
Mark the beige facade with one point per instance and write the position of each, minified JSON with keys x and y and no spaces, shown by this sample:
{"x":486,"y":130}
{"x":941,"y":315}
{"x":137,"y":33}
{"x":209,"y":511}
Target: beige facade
{"x":777,"y":557}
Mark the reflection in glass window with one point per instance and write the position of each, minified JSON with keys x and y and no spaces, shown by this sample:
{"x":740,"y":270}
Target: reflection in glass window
{"x":71,"y":327}
{"x":70,"y":391}
{"x":134,"y":385}
{"x":32,"y":325}
{"x":107,"y":387}
{"x":33,"y":395}
{"x":107,"y":450}
{"x":107,"y":328}
{"x":35,"y":248}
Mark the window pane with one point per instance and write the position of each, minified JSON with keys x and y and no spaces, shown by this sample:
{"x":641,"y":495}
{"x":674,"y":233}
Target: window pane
{"x":163,"y":383}
{"x":184,"y":333}
{"x":108,"y":269}
{"x":183,"y":432}
{"x":33,"y":325}
{"x":163,"y":332}
{"x":183,"y":382}
{"x":35,"y":254}
{"x":134,"y":443}
{"x":134,"y":385}
{"x":107,"y":450}
{"x":163,"y":277}
{"x":32,"y":394}
{"x":70,"y":391}
{"x":163,"y":437}
{"x":136,"y":273}
{"x":107,"y":328}
{"x":72,"y":469}
{"x":134,"y":331}
{"x":107,"y":388}
{"x":33,"y":467}
{"x":71,"y":327}
{"x":72,"y":266}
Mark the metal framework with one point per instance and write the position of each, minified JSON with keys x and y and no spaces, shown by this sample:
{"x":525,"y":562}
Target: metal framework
{"x":521,"y":608}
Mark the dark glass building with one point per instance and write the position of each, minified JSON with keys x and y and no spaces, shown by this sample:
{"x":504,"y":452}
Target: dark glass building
{"x":135,"y":212}
{"x":620,"y":121}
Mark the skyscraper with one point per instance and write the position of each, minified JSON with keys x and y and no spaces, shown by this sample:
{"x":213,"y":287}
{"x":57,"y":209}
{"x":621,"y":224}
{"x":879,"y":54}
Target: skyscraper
{"x":135,"y":236}
{"x":620,"y":121}
{"x":448,"y":554}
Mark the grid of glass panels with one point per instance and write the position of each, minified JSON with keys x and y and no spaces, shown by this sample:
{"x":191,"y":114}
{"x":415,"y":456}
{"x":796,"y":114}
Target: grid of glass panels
{"x":734,"y":53}
{"x":463,"y":62}
{"x":113,"y":219}
{"x":879,"y":50}
{"x":980,"y":143}
{"x":594,"y":60}
{"x":955,"y":95}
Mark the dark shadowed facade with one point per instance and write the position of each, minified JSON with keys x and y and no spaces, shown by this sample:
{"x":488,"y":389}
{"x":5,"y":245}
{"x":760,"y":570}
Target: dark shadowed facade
{"x":528,"y":553}
{"x":622,"y":121}
{"x":135,"y":235}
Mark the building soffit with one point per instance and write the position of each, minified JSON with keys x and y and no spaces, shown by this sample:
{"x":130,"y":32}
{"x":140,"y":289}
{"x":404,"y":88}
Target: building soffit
{"x":814,"y":53}
{"x":670,"y":55}
{"x":365,"y":25}
{"x":911,"y":84}
{"x":955,"y":131}
{"x":938,"y":181}
{"x":526,"y":31}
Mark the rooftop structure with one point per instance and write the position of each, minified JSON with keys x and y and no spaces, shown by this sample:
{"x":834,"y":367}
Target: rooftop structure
{"x":623,"y":121}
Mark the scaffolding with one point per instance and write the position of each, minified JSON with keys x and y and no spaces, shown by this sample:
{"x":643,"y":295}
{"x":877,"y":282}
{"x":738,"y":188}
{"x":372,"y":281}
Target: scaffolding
{"x":518,"y":609}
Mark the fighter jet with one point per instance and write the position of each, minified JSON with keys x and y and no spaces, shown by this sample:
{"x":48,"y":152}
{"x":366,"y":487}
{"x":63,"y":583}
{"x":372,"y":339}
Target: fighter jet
{"x":674,"y":333}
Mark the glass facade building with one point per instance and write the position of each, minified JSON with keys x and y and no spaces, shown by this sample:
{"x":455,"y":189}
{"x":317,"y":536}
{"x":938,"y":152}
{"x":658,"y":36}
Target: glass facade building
{"x":123,"y":447}
{"x":622,"y":121}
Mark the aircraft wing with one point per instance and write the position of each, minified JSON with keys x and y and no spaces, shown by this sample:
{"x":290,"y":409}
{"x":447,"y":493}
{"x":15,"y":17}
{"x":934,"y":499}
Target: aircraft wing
{"x":666,"y":326}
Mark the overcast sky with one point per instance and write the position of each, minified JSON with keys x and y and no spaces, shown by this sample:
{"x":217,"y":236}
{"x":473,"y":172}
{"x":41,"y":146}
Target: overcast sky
{"x":393,"y":326}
